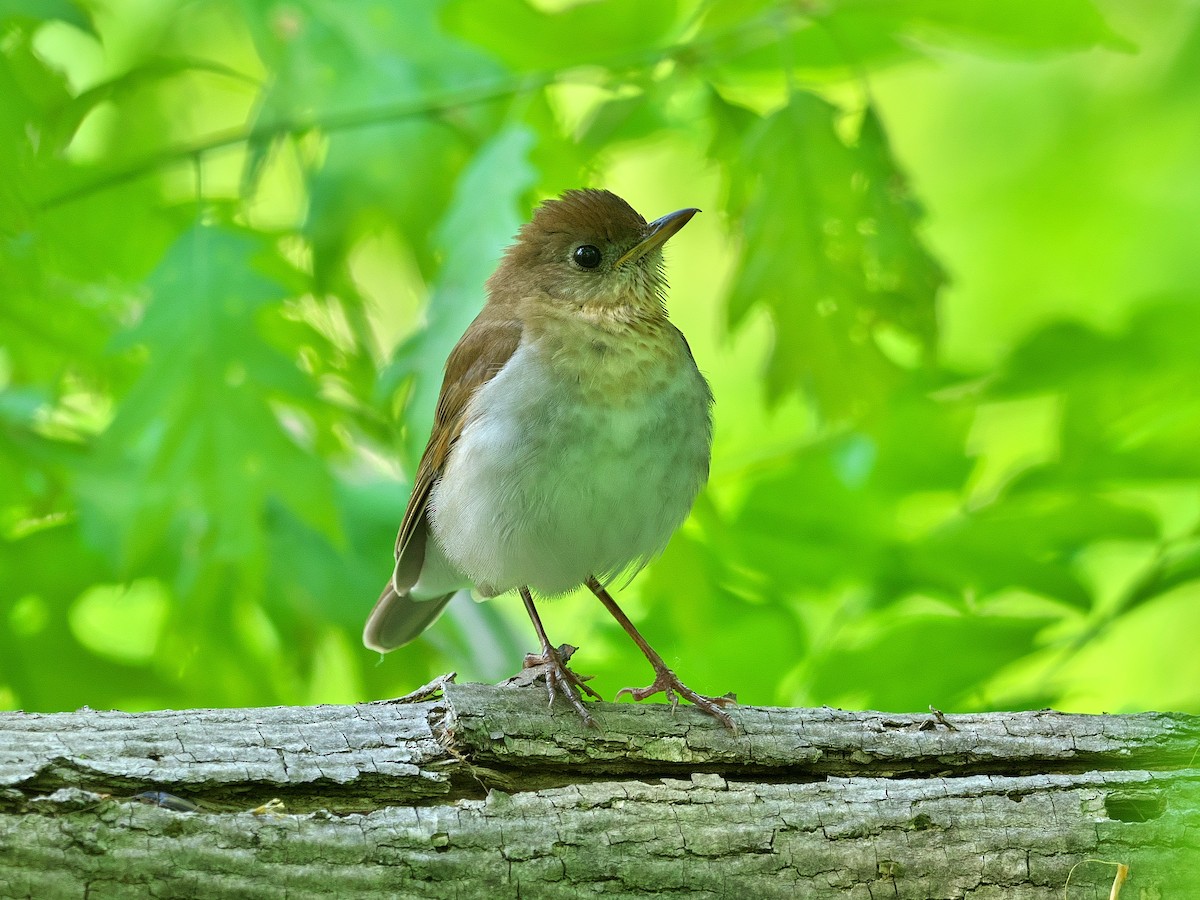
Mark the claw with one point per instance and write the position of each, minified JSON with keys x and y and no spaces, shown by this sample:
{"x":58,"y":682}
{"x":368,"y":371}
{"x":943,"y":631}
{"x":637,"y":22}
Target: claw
{"x":665,"y":680}
{"x":668,"y":683}
{"x":561,"y":681}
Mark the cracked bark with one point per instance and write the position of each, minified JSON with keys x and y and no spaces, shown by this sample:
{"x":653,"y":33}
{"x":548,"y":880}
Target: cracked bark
{"x":483,"y":792}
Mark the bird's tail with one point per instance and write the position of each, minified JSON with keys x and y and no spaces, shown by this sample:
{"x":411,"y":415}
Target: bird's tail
{"x":398,"y":618}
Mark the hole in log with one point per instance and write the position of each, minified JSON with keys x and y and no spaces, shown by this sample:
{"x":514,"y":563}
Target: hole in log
{"x":1134,"y":807}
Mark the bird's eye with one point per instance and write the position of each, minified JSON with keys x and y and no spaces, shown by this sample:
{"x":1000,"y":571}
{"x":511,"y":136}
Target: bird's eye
{"x":587,"y":256}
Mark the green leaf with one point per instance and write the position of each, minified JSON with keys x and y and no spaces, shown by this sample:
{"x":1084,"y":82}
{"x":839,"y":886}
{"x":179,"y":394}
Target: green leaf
{"x":747,"y":43}
{"x":70,"y":255}
{"x":41,"y":661}
{"x":1176,"y":565}
{"x":526,"y":39}
{"x":1129,"y":408}
{"x":627,"y":118}
{"x":815,"y":523}
{"x":905,"y":663}
{"x":397,"y":175}
{"x":385,"y":76}
{"x":1027,"y":539}
{"x":999,"y":25}
{"x":46,"y":10}
{"x":471,"y":237}
{"x":836,"y":512}
{"x":740,"y":43}
{"x":124,"y":89}
{"x":830,"y":250}
{"x":899,"y":271}
{"x":32,"y":563}
{"x":721,"y":16}
{"x":41,"y":348}
{"x":32,"y":91}
{"x":198,"y":443}
{"x":34,"y":467}
{"x":730,"y":125}
{"x":314,"y":576}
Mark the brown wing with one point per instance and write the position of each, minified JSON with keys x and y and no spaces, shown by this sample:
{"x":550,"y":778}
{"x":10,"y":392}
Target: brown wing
{"x":481,"y":352}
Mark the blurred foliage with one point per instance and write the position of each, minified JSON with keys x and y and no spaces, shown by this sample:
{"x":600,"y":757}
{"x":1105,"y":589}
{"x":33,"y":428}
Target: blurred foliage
{"x":956,"y":457}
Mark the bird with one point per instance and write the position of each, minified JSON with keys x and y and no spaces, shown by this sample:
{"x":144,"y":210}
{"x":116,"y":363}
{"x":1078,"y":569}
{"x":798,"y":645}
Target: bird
{"x":571,"y":436}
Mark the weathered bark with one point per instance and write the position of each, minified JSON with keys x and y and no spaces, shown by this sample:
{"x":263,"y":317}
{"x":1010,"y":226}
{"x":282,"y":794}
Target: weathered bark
{"x":483,"y":792}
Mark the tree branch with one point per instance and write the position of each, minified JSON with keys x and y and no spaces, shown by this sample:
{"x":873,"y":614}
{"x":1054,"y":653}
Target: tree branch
{"x":484,"y":792}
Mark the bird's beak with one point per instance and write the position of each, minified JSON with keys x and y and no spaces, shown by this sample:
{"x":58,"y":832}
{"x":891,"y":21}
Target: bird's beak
{"x":657,"y":234}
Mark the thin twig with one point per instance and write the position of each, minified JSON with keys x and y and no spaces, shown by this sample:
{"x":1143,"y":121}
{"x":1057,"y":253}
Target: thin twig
{"x":409,"y":108}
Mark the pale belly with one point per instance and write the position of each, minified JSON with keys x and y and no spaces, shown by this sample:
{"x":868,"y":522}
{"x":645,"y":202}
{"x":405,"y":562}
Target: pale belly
{"x":547,"y":486}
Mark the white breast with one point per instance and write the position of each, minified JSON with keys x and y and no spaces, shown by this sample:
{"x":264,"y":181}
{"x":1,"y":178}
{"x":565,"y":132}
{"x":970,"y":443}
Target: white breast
{"x":551,"y":482}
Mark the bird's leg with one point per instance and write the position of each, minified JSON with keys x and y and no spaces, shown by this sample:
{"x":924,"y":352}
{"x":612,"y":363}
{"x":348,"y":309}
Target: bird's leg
{"x":560,"y":680}
{"x":665,"y":680}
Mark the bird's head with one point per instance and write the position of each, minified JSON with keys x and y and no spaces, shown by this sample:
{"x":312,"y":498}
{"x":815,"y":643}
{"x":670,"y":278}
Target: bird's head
{"x":590,"y":251}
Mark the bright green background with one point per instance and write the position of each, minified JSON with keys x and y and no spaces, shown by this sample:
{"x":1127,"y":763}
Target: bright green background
{"x":945,"y":288}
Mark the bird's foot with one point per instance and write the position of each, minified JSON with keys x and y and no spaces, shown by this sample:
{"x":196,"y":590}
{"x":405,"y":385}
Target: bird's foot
{"x":667,"y":682}
{"x":561,"y":680}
